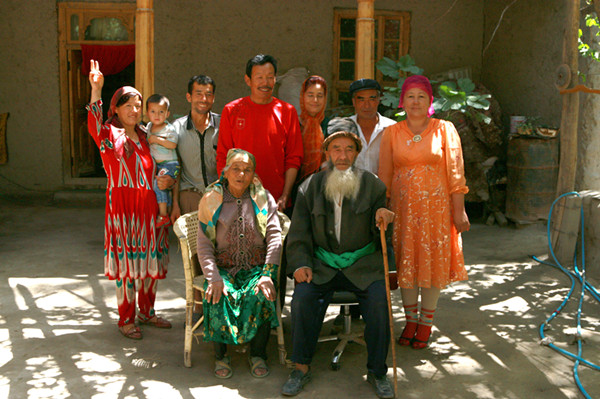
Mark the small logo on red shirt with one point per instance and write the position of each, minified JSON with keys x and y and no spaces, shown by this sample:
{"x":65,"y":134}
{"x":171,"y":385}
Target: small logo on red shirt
{"x":240,"y":123}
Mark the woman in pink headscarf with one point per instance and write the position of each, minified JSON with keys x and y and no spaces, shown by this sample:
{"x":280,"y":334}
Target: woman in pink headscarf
{"x":421,"y":163}
{"x":136,"y":253}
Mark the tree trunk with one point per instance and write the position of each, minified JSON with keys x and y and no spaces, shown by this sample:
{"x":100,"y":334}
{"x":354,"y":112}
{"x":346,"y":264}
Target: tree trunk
{"x":570,"y":113}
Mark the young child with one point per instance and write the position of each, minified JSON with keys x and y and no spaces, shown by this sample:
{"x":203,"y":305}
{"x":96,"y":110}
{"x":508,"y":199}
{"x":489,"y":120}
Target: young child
{"x":163,"y":141}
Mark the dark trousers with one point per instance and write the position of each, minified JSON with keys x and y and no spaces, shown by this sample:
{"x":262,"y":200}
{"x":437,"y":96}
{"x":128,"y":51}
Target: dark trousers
{"x":258,"y":345}
{"x":309,"y":305}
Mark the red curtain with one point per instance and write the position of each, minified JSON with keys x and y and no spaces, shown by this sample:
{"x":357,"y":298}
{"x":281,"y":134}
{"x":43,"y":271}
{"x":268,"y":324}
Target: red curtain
{"x":112,"y":59}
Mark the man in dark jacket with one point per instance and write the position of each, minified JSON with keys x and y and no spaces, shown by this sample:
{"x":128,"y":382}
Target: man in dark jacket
{"x":333,"y":245}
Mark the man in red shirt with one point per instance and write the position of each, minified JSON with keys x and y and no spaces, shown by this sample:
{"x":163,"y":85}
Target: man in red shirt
{"x":266,"y":127}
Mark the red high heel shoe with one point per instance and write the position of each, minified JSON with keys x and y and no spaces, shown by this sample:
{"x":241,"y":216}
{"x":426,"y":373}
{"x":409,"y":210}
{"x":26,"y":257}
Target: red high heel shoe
{"x":421,"y":338}
{"x":407,"y":334}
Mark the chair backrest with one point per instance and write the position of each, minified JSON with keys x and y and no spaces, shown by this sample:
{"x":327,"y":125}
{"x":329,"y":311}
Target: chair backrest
{"x":186,"y":229}
{"x":285,"y":222}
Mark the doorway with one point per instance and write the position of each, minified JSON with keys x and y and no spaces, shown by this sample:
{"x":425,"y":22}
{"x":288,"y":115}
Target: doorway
{"x":90,"y":30}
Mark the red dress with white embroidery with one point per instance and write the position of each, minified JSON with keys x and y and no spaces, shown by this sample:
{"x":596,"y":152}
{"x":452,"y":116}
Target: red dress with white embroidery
{"x":133,"y":247}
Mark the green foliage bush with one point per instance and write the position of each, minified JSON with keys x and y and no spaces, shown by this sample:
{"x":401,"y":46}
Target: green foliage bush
{"x":459,"y":95}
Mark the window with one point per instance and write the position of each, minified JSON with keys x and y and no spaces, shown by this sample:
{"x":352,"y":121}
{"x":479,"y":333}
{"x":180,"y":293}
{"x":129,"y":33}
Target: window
{"x":392,"y":29}
{"x":99,"y":22}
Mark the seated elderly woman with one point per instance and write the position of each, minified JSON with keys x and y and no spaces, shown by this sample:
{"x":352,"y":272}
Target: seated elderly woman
{"x":239,"y":254}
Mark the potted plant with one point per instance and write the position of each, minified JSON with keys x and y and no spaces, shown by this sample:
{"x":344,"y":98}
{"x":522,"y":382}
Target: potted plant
{"x":452,"y":96}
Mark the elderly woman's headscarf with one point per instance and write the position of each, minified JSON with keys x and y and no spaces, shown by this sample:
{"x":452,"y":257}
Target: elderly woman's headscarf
{"x":238,"y":155}
{"x":419,"y":82}
{"x":122,"y":146}
{"x":212,"y":200}
{"x":312,"y":133}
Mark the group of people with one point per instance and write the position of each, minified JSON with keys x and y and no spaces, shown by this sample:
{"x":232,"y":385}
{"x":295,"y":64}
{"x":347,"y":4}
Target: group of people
{"x":341,"y":183}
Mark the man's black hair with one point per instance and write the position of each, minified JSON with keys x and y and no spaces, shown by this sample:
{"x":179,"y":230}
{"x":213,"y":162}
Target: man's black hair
{"x":201,"y":80}
{"x":260,"y":59}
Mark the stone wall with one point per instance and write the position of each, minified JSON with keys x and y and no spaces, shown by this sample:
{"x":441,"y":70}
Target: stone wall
{"x":29,"y":91}
{"x":218,"y":37}
{"x":520,"y":62}
{"x":205,"y":37}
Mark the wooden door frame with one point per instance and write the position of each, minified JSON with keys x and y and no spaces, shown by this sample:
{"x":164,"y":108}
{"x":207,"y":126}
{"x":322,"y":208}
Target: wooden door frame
{"x":65,"y":44}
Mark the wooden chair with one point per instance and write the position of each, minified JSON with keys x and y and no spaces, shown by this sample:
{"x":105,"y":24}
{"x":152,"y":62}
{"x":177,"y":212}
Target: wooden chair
{"x":186,"y":229}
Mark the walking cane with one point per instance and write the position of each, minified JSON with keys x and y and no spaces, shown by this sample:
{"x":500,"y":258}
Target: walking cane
{"x":389,"y":300}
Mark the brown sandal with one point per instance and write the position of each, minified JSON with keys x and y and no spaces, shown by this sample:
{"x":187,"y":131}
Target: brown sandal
{"x":157,"y":322}
{"x":257,"y":363}
{"x":133,"y":333}
{"x":223,"y":364}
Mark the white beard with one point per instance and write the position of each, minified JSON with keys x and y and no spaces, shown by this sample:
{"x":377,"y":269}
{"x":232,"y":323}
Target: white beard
{"x":344,"y":183}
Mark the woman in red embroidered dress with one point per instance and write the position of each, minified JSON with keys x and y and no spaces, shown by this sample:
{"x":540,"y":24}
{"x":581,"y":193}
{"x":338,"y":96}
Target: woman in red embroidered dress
{"x":421,"y":163}
{"x":135,"y":252}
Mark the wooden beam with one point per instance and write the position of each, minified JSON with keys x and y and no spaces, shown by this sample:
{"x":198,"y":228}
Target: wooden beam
{"x":365,"y":40}
{"x":144,"y":48}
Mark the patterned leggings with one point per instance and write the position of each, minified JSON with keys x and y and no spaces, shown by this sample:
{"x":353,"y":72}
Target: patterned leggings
{"x":126,"y":289}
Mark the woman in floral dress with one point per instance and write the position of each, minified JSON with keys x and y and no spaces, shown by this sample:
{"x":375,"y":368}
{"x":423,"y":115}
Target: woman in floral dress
{"x":421,"y":163}
{"x":135,"y":252}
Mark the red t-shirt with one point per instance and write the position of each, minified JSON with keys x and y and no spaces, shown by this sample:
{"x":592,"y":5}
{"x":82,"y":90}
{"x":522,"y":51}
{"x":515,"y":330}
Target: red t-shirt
{"x":271,"y":132}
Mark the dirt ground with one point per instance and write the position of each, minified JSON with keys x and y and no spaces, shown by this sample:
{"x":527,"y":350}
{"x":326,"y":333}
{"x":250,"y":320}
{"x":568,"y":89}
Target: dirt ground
{"x":58,"y":335}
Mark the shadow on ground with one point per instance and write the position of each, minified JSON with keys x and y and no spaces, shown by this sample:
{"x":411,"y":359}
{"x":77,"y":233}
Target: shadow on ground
{"x":58,"y":335}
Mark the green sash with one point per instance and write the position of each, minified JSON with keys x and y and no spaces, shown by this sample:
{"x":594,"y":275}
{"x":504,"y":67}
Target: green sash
{"x":346,"y":259}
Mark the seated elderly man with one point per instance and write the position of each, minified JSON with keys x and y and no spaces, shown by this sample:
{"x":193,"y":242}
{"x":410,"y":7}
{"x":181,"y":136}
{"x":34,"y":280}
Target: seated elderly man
{"x":334,"y":245}
{"x":239,"y":253}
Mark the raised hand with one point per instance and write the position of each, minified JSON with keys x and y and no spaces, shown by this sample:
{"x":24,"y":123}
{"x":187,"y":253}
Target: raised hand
{"x":96,"y":81}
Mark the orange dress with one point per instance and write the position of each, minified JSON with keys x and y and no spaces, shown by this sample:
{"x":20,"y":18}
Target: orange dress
{"x":420,"y":177}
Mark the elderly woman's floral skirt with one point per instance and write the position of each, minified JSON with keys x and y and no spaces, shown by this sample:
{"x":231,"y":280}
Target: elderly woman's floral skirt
{"x":237,"y":316}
